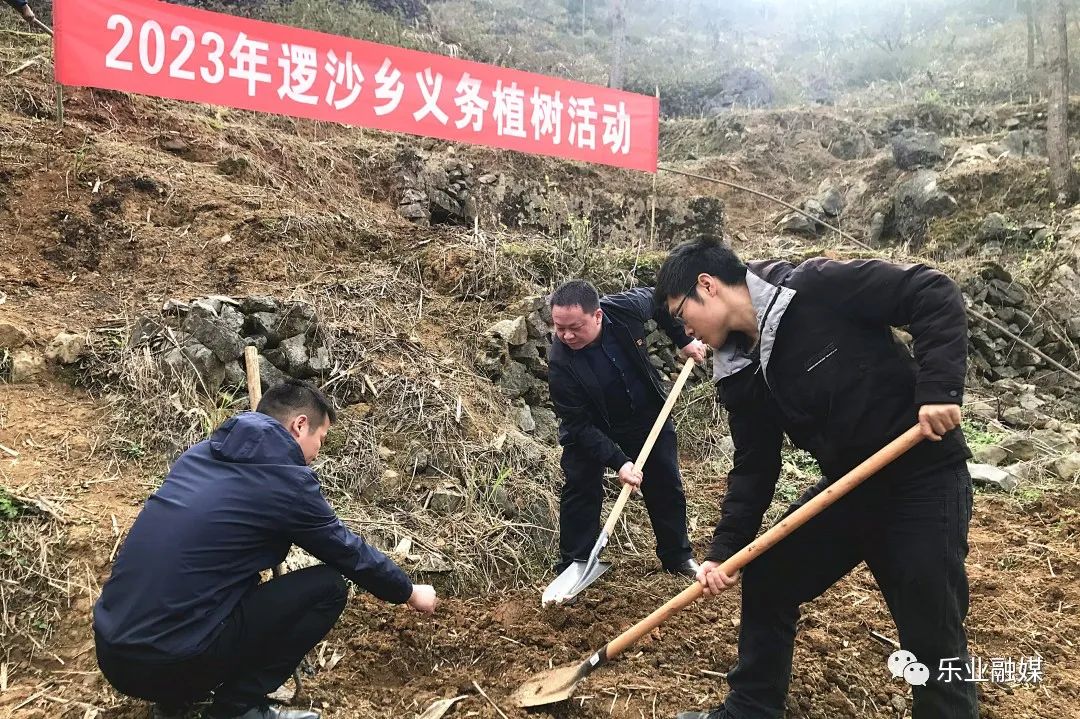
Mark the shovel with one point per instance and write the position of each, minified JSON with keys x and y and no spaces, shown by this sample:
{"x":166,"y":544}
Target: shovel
{"x":579,"y":575}
{"x":558,"y":684}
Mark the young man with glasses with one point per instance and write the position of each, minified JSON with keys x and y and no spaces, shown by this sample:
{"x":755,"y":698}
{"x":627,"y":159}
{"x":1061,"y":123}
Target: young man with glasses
{"x":808,"y":351}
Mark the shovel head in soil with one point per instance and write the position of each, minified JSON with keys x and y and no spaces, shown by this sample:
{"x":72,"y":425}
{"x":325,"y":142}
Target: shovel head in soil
{"x":579,"y":575}
{"x":558,"y":685}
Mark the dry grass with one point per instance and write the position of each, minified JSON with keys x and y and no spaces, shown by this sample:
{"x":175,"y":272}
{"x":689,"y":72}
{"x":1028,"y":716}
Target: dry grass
{"x":38,"y":576}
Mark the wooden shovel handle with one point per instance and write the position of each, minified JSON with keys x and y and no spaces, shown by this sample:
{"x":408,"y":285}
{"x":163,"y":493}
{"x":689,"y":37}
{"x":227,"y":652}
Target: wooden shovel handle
{"x":789,"y":524}
{"x":254,"y":380}
{"x":646,"y":449}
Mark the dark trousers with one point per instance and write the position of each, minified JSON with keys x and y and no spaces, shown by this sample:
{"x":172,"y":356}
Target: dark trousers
{"x":260,"y":644}
{"x":582,"y":497}
{"x":912,"y":533}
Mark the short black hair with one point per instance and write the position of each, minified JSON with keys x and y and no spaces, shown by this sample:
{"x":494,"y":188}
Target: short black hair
{"x":708,"y":254}
{"x":291,"y":397}
{"x":576,"y":292}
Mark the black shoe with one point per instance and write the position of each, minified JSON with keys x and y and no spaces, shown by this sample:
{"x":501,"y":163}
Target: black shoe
{"x":689,"y":568}
{"x":275,"y":713}
{"x":715,"y":713}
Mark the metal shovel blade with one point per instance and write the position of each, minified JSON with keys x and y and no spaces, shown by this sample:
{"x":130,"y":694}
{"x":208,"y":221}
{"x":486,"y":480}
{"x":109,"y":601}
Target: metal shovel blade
{"x":573,"y":581}
{"x":552,"y":686}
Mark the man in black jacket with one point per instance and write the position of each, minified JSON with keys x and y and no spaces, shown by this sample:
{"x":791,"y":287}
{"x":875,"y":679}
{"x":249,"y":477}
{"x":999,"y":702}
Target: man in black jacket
{"x":808,"y":351}
{"x":607,"y":396}
{"x":184,"y":615}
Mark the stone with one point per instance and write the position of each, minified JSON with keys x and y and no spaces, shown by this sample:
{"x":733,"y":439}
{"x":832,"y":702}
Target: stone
{"x":26,"y":364}
{"x":853,"y":144}
{"x":299,"y":319}
{"x":514,"y":332}
{"x":214,"y":334}
{"x":913,"y":149}
{"x":266,"y":324}
{"x":516,"y":381}
{"x":1072,"y":328}
{"x":525,"y":421}
{"x":234,"y":375}
{"x":990,"y":454}
{"x":177,"y":308}
{"x":291,"y":356}
{"x":727,"y":445}
{"x":986,"y":476}
{"x":1024,"y":471}
{"x":917,"y":201}
{"x":175,"y":145}
{"x":527,"y":305}
{"x":539,"y":330}
{"x":487,"y":179}
{"x":1000,"y":293}
{"x":795,"y":223}
{"x":547,"y":424}
{"x":1067,"y":467}
{"x":257,"y":341}
{"x":12,"y":336}
{"x":255,"y":303}
{"x":1030,"y":400}
{"x":1025,"y":143}
{"x":446,"y":500}
{"x":207,"y":306}
{"x":1018,"y":448}
{"x":232,"y":318}
{"x":526,"y":353}
{"x":877,"y":228}
{"x":417,"y":212}
{"x":814,"y":208}
{"x":831,"y":200}
{"x":1051,"y":440}
{"x":996,"y":227}
{"x":144,"y":330}
{"x":269,"y":375}
{"x":66,"y":348}
{"x":210,"y":368}
{"x":173,"y":363}
{"x":1020,"y":418}
{"x":545,"y":311}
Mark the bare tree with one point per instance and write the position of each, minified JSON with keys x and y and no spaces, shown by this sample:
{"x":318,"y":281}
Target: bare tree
{"x":618,"y":45}
{"x":1062,"y":185}
{"x":575,"y":15}
{"x":1029,"y":10}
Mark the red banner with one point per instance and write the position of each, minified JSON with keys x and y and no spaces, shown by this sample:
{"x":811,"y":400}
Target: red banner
{"x":154,"y":48}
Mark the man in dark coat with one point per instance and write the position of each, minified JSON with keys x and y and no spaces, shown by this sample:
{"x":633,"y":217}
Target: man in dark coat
{"x":607,"y":396}
{"x":808,"y":351}
{"x":183,"y":614}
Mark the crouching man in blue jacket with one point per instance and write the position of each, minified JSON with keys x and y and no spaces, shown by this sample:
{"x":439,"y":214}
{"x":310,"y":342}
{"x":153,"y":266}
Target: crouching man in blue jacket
{"x":183,"y":615}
